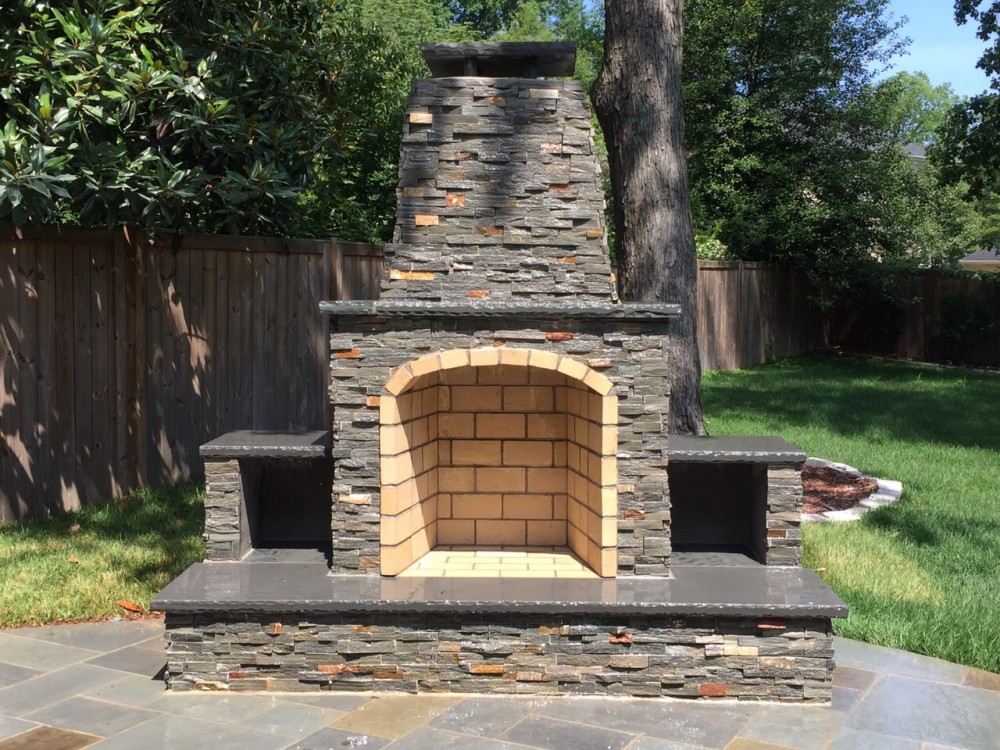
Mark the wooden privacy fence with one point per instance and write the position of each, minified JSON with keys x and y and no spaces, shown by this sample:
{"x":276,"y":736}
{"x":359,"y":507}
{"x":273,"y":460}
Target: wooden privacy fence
{"x":946,"y":318}
{"x":119,"y":357}
{"x":751,"y":313}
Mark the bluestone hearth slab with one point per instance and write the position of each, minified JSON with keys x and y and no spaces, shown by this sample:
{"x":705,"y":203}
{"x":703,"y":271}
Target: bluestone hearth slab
{"x":268,"y":444}
{"x":733,"y":449}
{"x":309,"y":587}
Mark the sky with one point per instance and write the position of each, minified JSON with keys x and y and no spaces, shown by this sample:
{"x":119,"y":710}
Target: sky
{"x":939,"y":47}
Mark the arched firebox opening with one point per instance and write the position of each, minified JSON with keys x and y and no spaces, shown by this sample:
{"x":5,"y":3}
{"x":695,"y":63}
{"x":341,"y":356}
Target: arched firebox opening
{"x":498,"y":449}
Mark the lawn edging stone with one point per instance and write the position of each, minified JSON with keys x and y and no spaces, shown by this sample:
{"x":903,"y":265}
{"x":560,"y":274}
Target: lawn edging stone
{"x":889,"y":491}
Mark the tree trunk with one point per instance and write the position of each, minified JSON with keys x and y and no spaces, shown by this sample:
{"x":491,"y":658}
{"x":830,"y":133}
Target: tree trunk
{"x":638,"y":100}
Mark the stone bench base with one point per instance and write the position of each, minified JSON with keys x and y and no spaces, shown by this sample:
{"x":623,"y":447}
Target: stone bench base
{"x":748,"y":633}
{"x":692,"y":657}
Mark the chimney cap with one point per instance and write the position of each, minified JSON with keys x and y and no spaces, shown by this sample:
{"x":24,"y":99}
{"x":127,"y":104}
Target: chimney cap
{"x":500,"y":59}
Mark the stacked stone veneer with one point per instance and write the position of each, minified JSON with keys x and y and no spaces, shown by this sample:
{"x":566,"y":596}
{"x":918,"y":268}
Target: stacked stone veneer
{"x":499,"y":194}
{"x":223,"y":502}
{"x":693,"y":657}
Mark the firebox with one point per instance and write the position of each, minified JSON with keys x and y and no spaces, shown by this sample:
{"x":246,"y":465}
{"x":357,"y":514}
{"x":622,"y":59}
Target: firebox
{"x":497,"y":448}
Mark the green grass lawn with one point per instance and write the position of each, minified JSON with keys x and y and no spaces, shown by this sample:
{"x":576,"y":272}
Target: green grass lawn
{"x":78,"y":565}
{"x":923,"y":574}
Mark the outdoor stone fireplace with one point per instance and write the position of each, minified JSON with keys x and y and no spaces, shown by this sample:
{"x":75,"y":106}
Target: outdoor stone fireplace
{"x":499,"y":425}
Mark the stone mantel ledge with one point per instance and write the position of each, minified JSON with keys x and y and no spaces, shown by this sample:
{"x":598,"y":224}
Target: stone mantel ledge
{"x":758,"y":449}
{"x":592,"y":311}
{"x":267,"y":444}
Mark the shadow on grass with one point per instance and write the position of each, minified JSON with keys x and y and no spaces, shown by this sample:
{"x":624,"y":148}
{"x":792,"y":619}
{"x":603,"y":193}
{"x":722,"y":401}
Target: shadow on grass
{"x":969,"y":541}
{"x":854,"y":397}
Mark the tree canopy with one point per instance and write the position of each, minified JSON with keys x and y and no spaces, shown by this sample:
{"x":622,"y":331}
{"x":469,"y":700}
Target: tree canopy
{"x":284,"y":116}
{"x":916,"y":109}
{"x":164,"y":113}
{"x":970,"y":143}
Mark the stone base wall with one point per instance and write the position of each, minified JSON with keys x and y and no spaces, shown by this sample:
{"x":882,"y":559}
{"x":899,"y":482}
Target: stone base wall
{"x":686,"y":657}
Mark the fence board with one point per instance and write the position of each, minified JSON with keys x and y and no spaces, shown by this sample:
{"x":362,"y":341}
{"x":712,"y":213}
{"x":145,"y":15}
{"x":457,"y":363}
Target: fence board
{"x":83,"y":356}
{"x":11,"y":485}
{"x":119,"y":364}
{"x":136,"y":289}
{"x":242,"y":332}
{"x":102,"y":367}
{"x":66,"y":387}
{"x":155,"y":352}
{"x":220,"y":347}
{"x":47,"y":430}
{"x":751,"y":313}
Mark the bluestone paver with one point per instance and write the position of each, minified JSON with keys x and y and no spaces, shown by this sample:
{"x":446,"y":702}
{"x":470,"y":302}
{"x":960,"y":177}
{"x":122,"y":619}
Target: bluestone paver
{"x":65,"y":692}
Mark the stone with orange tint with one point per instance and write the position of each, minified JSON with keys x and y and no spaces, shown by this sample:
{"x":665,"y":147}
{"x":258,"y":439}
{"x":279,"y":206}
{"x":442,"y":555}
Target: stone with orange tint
{"x":712,"y":689}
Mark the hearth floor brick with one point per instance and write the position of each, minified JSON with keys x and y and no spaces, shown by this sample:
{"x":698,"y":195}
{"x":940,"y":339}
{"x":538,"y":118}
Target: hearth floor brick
{"x":506,"y":562}
{"x":882,"y":698}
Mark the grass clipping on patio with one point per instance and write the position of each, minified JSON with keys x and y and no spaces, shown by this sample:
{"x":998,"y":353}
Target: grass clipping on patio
{"x":922,"y":574}
{"x":80,"y":565}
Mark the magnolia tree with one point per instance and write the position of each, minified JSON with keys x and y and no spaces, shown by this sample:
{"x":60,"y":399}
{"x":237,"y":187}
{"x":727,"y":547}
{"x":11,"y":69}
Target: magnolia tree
{"x":164,"y":113}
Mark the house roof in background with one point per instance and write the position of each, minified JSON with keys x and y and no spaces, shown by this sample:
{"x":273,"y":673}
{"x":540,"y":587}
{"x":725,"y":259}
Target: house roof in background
{"x":987,"y":259}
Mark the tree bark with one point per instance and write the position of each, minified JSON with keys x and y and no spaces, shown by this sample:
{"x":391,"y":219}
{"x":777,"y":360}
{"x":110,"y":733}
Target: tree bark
{"x":638,"y":100}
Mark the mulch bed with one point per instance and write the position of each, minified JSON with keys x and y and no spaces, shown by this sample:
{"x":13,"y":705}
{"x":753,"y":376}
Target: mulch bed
{"x":826,"y":489}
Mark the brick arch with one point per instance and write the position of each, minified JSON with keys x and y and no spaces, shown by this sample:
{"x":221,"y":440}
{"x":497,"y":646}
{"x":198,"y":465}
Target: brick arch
{"x":498,"y":447}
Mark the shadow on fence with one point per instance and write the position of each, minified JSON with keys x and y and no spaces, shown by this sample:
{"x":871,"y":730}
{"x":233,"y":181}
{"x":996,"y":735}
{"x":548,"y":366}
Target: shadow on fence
{"x":120,"y":357}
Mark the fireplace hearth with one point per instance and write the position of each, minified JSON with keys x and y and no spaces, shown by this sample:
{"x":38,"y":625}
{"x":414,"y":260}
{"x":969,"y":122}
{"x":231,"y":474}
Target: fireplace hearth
{"x":504,"y":511}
